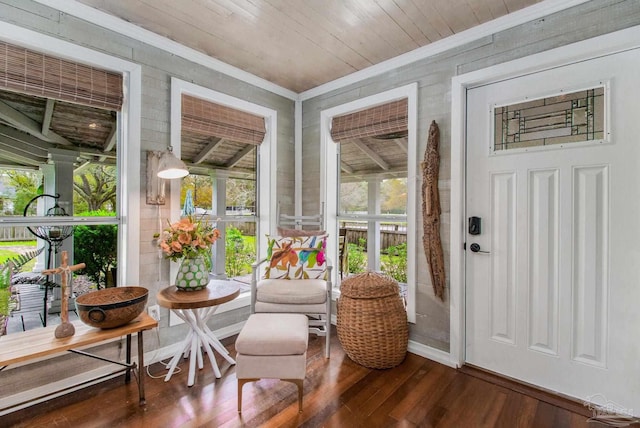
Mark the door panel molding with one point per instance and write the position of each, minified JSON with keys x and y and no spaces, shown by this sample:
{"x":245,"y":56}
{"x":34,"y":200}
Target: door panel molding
{"x":590,"y":268}
{"x":543,"y":260}
{"x":503,"y":264}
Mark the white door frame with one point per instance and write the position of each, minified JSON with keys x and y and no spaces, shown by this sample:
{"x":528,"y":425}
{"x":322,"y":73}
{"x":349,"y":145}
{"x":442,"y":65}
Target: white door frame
{"x":580,"y":51}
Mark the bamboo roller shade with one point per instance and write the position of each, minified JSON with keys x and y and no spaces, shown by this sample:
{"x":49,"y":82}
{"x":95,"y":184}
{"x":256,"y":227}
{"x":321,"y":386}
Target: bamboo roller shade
{"x":378,"y":120}
{"x":34,"y":73}
{"x":215,"y":120}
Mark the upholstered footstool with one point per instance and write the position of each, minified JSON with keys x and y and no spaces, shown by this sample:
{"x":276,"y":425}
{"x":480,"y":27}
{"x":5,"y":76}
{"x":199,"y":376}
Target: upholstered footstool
{"x":272,"y":346}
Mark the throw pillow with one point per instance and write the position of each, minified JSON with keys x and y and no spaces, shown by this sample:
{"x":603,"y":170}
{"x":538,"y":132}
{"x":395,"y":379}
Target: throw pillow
{"x":297,"y":257}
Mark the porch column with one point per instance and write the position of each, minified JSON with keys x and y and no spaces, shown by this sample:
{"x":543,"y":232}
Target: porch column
{"x":373,"y":227}
{"x":219,"y":209}
{"x":42,"y":205}
{"x":61,"y":183}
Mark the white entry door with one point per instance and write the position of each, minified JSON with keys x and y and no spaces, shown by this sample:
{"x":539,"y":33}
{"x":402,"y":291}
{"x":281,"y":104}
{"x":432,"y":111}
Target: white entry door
{"x":553,"y":294}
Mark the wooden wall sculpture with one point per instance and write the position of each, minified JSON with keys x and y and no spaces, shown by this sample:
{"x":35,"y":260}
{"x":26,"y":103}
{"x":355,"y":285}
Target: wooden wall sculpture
{"x":431,"y":212}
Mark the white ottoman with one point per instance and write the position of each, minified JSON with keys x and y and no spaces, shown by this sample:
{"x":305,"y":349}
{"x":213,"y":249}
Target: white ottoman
{"x":272,"y":346}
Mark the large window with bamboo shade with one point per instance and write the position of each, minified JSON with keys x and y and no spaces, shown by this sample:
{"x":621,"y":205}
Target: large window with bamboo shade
{"x":60,"y":140}
{"x":369,"y":160}
{"x":226,"y":145}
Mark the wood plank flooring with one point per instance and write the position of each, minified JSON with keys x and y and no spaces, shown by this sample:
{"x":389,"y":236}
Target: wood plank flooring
{"x":337,"y":393}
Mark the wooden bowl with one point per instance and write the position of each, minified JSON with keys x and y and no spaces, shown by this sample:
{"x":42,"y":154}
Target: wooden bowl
{"x":111,"y":307}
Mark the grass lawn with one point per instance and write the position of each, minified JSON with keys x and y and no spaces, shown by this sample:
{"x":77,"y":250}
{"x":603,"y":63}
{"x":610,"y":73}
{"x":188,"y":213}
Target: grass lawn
{"x":18,"y":243}
{"x":6,"y":253}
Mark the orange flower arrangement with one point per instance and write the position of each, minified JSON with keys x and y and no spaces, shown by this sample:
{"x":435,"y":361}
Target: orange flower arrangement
{"x":188,"y":238}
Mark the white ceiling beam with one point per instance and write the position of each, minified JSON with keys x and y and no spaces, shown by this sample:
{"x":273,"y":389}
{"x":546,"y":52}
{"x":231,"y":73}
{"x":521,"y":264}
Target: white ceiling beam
{"x":28,"y":125}
{"x":81,"y":167}
{"x":402,"y":144}
{"x":23,"y":149}
{"x":24,"y":138}
{"x":111,"y":141}
{"x":346,"y":168}
{"x":48,"y":115}
{"x":238,"y":157}
{"x":93,"y":152}
{"x":213,"y":143}
{"x":5,"y":163}
{"x":371,"y":154}
{"x":38,"y":143}
{"x":10,"y":153}
{"x":369,"y":174}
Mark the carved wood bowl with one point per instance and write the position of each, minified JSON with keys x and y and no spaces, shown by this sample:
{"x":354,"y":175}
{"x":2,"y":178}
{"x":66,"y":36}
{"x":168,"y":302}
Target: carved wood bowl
{"x":111,"y":307}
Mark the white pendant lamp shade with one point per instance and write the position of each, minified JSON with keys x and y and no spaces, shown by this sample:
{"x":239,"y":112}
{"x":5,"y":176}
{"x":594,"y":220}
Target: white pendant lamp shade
{"x":170,"y":166}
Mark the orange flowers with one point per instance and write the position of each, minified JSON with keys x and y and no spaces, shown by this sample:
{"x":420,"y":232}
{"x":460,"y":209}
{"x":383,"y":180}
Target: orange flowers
{"x":188,"y":238}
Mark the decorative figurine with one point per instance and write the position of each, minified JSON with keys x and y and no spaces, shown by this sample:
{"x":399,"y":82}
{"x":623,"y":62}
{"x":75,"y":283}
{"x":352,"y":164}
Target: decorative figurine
{"x":65,"y":329}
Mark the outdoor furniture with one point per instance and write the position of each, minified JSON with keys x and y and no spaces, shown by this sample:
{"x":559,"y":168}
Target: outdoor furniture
{"x":372,"y":320}
{"x":272,"y":346}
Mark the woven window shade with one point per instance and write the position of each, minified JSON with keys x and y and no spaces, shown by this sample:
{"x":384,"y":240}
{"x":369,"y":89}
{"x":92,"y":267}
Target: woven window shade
{"x":214,"y":120}
{"x":34,"y":73}
{"x":374,"y":121}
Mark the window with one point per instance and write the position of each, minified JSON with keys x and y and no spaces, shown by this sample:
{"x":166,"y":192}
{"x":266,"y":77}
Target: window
{"x":53,"y":136}
{"x":368,"y":160}
{"x":373,"y":187}
{"x":559,"y":119}
{"x":227,"y":146}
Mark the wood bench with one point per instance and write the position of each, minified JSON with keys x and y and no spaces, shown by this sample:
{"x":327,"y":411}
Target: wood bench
{"x":28,"y":345}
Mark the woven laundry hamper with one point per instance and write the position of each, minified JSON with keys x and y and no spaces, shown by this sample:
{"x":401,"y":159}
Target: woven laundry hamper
{"x":372,"y":320}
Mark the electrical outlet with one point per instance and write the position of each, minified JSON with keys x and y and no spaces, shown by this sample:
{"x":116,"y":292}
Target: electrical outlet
{"x":154,"y":312}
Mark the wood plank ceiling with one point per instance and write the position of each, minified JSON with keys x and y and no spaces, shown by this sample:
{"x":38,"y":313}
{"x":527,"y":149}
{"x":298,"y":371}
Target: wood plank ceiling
{"x":297,"y":44}
{"x":301,"y":44}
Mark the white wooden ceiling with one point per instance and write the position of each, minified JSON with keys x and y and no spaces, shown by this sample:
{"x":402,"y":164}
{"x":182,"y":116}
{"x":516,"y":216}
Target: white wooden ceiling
{"x":301,"y":44}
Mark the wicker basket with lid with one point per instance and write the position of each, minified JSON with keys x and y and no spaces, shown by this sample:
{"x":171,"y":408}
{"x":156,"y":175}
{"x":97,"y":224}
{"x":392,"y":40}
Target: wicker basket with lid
{"x":372,"y":320}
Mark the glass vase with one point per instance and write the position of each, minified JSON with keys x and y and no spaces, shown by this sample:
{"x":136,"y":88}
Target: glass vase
{"x":192,"y":275}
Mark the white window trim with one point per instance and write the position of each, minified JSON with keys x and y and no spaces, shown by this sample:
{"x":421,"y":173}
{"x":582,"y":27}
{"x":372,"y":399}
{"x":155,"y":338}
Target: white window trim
{"x":128,"y":135}
{"x":329,"y":177}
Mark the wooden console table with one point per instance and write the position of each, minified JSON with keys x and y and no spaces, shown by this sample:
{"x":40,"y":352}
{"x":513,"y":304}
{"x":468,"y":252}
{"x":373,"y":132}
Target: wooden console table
{"x":27,"y":345}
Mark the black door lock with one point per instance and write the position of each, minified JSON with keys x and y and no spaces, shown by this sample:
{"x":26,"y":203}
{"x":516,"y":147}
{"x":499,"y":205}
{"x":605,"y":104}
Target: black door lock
{"x":475,"y":225}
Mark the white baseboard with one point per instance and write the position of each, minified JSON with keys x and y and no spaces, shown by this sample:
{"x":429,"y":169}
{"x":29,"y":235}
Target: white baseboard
{"x":433,"y":354}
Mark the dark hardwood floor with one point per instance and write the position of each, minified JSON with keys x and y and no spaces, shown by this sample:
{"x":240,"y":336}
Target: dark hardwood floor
{"x":337,"y":393}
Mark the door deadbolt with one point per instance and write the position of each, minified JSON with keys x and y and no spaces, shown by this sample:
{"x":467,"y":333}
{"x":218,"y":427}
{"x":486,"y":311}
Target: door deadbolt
{"x":475,"y":225}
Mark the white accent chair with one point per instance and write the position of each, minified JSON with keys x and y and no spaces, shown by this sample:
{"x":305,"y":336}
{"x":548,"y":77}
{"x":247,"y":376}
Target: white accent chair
{"x":311,"y":297}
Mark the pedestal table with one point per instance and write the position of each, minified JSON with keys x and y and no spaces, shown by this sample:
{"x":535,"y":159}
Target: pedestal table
{"x":196,"y":308}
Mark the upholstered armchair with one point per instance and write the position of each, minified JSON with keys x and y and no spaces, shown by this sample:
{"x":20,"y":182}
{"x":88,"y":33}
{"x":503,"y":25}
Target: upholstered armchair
{"x":295,"y":277}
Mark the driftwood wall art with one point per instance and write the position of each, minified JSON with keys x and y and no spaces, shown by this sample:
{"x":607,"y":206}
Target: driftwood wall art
{"x":431,"y":212}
